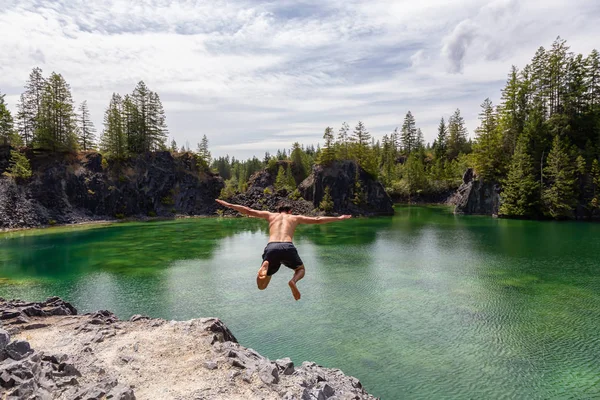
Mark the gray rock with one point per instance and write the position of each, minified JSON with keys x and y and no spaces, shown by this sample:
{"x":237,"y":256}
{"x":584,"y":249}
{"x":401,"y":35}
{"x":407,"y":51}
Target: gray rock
{"x":285,"y":365}
{"x":210,"y":365}
{"x":138,"y":317}
{"x":4,"y":339}
{"x":18,"y":349}
{"x":121,"y":393}
{"x":268,"y":373}
{"x":9,"y":314}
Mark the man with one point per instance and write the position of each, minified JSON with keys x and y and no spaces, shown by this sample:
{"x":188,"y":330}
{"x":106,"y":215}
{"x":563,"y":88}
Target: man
{"x":280,"y":249}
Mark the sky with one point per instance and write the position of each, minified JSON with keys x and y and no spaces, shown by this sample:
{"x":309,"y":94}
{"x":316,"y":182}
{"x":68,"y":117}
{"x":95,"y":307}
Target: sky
{"x":256,"y":76}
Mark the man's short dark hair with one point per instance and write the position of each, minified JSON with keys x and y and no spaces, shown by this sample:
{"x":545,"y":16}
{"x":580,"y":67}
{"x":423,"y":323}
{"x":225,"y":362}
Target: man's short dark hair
{"x":284,"y":208}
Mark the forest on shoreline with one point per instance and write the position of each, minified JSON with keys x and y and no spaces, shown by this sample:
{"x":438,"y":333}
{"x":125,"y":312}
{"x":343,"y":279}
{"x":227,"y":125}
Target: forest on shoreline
{"x":541,"y":144}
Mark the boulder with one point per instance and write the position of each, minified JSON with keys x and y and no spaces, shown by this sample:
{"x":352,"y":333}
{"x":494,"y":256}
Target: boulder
{"x":352,"y":189}
{"x":476,"y":196}
{"x":18,"y":349}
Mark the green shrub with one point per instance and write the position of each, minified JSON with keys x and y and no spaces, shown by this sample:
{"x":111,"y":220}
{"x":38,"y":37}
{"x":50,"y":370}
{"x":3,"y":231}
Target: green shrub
{"x":295,"y":195}
{"x":267,"y":192}
{"x":220,"y":212}
{"x":119,"y":216}
{"x":19,"y":166}
{"x":326,"y":203}
{"x":104,"y":163}
{"x":167,"y":201}
{"x":173,"y":211}
{"x":152,"y":214}
{"x":52,"y":222}
{"x":122,"y":178}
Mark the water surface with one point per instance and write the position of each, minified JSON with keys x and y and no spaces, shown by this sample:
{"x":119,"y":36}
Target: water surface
{"x":423,"y":305}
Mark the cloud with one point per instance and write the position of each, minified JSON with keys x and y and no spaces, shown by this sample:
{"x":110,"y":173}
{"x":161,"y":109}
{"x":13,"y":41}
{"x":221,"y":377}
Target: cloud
{"x":253,"y":73}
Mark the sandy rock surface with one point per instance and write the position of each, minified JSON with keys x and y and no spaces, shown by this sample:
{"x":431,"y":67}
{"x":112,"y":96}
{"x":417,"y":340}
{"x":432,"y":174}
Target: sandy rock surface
{"x":47,"y":351}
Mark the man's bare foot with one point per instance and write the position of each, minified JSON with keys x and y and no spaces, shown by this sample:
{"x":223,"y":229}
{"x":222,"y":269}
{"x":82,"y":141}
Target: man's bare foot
{"x":295,"y":290}
{"x":262,"y":279}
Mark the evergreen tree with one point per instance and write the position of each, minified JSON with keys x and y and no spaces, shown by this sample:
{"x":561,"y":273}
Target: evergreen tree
{"x":520,"y":195}
{"x":328,"y":152}
{"x":29,"y":106}
{"x":559,"y":197}
{"x":440,"y":141}
{"x":457,"y":139}
{"x":511,"y":118}
{"x":7,"y":132}
{"x":395,"y":141}
{"x":326,"y":203}
{"x":19,"y":167}
{"x":87,"y":131}
{"x":409,"y":133}
{"x":114,"y":142}
{"x":173,"y":146}
{"x":56,"y":123}
{"x":280,"y":180}
{"x":300,"y":161}
{"x":361,"y":139}
{"x":290,"y":182}
{"x":488,"y":154}
{"x":420,"y":140}
{"x":203,"y":151}
{"x":342,"y":145}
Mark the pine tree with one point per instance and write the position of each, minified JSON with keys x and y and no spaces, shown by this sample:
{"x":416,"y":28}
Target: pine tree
{"x":56,"y":123}
{"x":19,"y":167}
{"x":280,"y":180}
{"x":559,"y":197}
{"x":290,"y":182}
{"x":328,"y":153}
{"x":409,"y":133}
{"x":87,"y":131}
{"x":361,"y":139}
{"x":29,"y":106}
{"x":395,"y":141}
{"x":440,"y":141}
{"x":114,"y":142}
{"x":420,"y":140}
{"x":173,"y":146}
{"x":203,"y":151}
{"x":520,"y":195}
{"x":299,"y":160}
{"x":7,"y":132}
{"x":592,"y":65}
{"x":488,"y":154}
{"x":511,"y":119}
{"x":326,"y":203}
{"x":457,"y":139}
{"x":343,"y":152}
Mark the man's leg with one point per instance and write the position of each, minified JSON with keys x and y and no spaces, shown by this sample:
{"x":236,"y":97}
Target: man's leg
{"x":262,"y":279}
{"x":298,"y":274}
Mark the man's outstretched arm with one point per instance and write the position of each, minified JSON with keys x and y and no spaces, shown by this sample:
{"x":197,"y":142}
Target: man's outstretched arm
{"x":321,"y":220}
{"x":245,"y":210}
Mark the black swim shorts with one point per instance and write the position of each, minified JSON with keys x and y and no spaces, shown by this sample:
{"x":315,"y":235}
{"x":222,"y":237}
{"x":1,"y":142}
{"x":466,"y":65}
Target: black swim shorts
{"x":277,"y":253}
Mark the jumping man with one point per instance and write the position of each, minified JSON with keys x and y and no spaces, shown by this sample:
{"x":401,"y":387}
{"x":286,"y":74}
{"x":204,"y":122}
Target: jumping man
{"x":280,"y":249}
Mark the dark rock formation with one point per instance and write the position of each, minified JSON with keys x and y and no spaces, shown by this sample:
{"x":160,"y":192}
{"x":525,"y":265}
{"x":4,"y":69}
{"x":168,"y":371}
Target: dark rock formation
{"x":258,"y":199}
{"x":476,"y":196}
{"x":340,"y":177}
{"x":67,"y":188}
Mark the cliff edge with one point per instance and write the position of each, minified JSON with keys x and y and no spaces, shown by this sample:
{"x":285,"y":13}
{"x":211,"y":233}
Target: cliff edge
{"x":47,"y":351}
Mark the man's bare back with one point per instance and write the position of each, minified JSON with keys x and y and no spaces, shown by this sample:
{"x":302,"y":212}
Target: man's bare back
{"x":280,"y":249}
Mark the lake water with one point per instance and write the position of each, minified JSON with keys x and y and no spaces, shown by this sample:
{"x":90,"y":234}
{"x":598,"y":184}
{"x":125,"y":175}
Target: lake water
{"x":423,"y":305}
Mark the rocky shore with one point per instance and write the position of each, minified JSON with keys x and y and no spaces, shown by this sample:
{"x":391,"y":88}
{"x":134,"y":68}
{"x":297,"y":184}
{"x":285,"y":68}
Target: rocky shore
{"x":48,"y":351}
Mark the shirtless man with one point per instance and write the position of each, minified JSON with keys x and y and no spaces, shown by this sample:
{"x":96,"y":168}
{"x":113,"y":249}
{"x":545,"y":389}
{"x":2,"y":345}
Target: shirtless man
{"x":280,"y":249}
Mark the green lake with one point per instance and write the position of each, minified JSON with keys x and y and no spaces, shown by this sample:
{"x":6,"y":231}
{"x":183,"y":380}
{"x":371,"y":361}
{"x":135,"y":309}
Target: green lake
{"x":422,"y":305}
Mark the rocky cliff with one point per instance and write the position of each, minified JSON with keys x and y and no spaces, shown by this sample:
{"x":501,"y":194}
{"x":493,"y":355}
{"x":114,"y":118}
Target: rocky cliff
{"x":67,"y":188}
{"x":47,"y":351}
{"x":368,"y":198}
{"x":476,"y":196}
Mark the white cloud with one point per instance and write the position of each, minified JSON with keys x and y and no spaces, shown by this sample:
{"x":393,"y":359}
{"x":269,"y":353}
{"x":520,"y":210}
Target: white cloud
{"x":254,"y":76}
